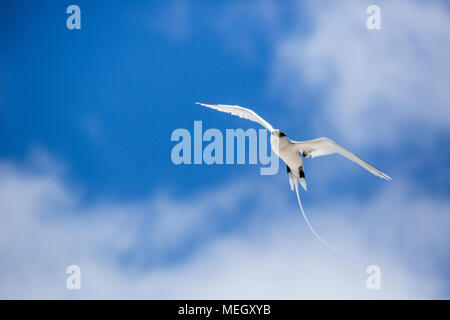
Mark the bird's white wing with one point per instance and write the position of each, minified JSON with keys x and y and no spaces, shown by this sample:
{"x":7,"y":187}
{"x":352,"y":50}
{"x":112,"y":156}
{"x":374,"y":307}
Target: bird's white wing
{"x":324,"y":146}
{"x":240,"y":112}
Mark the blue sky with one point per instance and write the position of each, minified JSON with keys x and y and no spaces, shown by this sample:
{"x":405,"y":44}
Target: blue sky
{"x":86,"y":176}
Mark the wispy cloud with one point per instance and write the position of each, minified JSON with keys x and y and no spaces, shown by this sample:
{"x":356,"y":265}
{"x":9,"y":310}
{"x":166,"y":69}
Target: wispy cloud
{"x":376,"y":85}
{"x":126,"y":250}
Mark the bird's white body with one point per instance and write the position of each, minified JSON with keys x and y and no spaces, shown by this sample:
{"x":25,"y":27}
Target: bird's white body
{"x":287,"y":151}
{"x":291,"y":151}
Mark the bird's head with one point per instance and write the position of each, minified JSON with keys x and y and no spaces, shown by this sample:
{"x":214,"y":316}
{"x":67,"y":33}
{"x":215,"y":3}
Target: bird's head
{"x":278,"y":133}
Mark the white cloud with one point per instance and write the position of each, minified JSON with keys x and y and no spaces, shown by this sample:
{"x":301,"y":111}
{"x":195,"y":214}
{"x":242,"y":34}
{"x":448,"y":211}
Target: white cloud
{"x":123,"y":248}
{"x":375,"y":84}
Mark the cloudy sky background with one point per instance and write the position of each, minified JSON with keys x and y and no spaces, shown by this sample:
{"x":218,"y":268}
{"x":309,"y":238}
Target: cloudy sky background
{"x":86,"y":176}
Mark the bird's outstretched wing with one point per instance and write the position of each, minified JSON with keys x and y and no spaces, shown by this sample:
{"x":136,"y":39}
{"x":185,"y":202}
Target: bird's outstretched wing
{"x":241,"y":113}
{"x":324,"y":146}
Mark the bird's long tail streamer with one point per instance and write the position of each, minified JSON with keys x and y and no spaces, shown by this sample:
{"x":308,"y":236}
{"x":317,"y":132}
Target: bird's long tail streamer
{"x":307,"y":221}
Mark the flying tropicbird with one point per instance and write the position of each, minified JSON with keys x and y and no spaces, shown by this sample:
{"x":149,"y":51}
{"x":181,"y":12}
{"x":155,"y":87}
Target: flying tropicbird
{"x":290,"y":152}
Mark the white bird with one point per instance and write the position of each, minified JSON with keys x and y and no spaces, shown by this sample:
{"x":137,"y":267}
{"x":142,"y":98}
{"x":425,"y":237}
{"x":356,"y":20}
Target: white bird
{"x":290,"y":152}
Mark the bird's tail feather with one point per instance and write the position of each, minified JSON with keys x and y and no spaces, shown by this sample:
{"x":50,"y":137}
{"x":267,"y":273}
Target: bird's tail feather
{"x":303,"y":183}
{"x":291,"y":180}
{"x":307,"y":221}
